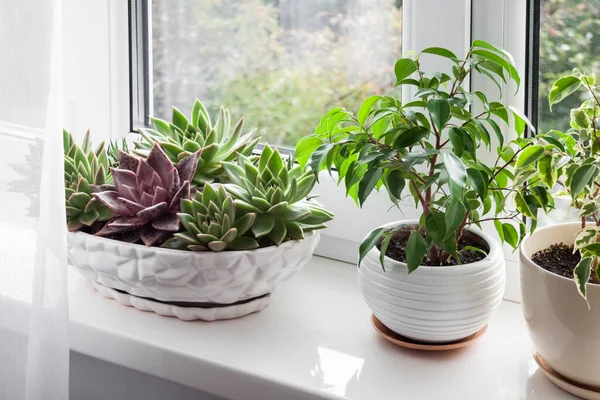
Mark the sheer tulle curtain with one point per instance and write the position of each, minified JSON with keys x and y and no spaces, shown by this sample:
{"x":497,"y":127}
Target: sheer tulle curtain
{"x":34,"y":348}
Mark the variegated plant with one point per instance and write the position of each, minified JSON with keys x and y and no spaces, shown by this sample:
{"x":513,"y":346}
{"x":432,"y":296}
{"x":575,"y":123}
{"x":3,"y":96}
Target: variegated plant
{"x":216,"y":142}
{"x":572,"y":160}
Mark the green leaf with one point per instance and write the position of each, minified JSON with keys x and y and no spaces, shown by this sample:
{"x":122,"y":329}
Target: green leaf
{"x":410,"y":137}
{"x":179,"y":119}
{"x":581,"y":178}
{"x":520,"y":120}
{"x":263,"y":225}
{"x":530,"y":155}
{"x":395,"y":183}
{"x":404,"y":68}
{"x":318,"y":156}
{"x":367,"y":184}
{"x":478,"y":181}
{"x":305,"y":147}
{"x":440,"y":112}
{"x":488,"y":55}
{"x":486,"y":45}
{"x":499,"y":229}
{"x":79,"y":200}
{"x":435,"y":223}
{"x":369,"y":242}
{"x":416,"y":248}
{"x":456,"y":169}
{"x":563,"y":87}
{"x":457,"y":138}
{"x":581,"y":275}
{"x":455,"y":214}
{"x":510,"y":234}
{"x":384,"y":245}
{"x":365,"y":108}
{"x":440,"y":51}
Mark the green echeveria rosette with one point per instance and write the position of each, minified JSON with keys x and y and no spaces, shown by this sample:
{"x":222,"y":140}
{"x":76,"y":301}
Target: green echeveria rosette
{"x":217,"y":143}
{"x":277,"y":193}
{"x":83,"y":168}
{"x":212,"y":223}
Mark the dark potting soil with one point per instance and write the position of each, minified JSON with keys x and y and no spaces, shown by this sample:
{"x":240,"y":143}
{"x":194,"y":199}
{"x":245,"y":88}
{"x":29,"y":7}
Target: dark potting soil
{"x":397,"y":248}
{"x":558,"y":259}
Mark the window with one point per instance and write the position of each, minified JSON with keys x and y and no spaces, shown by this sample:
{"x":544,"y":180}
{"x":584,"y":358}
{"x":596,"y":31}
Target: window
{"x":306,"y":57}
{"x":569,"y":36}
{"x":280,"y":63}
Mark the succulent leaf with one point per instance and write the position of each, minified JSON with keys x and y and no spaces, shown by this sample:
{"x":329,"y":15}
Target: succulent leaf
{"x":146,"y":196}
{"x":276,"y":191}
{"x":182,"y":136}
{"x":212,"y":223}
{"x":83,"y":169}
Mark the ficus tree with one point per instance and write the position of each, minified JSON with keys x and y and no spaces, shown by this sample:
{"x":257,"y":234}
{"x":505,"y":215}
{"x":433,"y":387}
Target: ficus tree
{"x":572,"y":162}
{"x":436,"y":150}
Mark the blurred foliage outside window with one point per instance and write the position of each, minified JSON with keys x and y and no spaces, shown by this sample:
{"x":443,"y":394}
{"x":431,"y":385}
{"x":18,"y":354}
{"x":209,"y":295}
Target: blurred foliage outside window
{"x":280,"y":63}
{"x":569,"y":38}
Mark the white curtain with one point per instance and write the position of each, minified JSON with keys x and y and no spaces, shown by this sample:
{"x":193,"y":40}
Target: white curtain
{"x":34,"y":347}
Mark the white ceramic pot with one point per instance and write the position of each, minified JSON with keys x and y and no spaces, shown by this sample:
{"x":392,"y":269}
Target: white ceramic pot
{"x":182,"y":276}
{"x":434,"y":304}
{"x":563,"y":330}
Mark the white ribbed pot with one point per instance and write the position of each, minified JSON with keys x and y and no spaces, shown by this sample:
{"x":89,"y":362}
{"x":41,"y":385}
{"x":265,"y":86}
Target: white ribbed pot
{"x":563,"y":330}
{"x":222,"y":282}
{"x":434,"y":304}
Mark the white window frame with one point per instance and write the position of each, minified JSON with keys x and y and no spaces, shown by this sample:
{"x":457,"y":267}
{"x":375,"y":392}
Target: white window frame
{"x":97,"y":91}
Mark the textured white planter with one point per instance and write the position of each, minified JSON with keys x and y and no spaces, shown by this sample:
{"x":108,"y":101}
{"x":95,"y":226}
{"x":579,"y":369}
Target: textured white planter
{"x":434,"y":304}
{"x":182,"y":276}
{"x":563,"y":330}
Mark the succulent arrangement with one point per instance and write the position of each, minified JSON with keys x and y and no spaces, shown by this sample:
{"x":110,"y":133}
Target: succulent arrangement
{"x":190,"y":185}
{"x":430,"y":149}
{"x":84,"y":170}
{"x":183,"y":136}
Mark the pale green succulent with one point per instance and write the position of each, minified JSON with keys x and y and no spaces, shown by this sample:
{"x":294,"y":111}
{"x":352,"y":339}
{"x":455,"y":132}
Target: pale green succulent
{"x":84,"y":167}
{"x":182,"y":137}
{"x":212,"y":223}
{"x":276,"y":192}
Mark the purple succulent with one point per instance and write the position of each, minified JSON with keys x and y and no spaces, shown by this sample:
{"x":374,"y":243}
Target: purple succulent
{"x":146,"y":195}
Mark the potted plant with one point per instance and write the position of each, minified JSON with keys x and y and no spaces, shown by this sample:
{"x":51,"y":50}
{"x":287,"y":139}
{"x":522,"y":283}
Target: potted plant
{"x":191,"y":227}
{"x":560,"y":273}
{"x":437,"y":278}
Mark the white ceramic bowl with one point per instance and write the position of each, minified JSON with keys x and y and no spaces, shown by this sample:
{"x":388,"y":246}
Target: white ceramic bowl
{"x":184,"y":276}
{"x":434,"y":304}
{"x":563,"y":330}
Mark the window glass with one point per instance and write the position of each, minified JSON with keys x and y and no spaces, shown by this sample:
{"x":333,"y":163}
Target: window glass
{"x":280,"y":63}
{"x":569,"y":37}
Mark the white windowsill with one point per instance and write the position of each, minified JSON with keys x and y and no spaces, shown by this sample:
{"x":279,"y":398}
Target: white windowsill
{"x":313,"y":341}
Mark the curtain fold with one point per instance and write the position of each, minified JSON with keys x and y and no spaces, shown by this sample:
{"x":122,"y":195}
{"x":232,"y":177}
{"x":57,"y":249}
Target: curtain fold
{"x":34,"y":347}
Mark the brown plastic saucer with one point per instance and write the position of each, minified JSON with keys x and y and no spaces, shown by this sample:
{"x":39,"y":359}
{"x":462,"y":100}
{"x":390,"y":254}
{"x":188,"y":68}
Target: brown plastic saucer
{"x":577,"y":389}
{"x":403,"y":341}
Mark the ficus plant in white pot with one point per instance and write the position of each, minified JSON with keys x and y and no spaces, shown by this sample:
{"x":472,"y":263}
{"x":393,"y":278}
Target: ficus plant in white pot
{"x":438,"y":278}
{"x":191,"y":225}
{"x":560,"y":272}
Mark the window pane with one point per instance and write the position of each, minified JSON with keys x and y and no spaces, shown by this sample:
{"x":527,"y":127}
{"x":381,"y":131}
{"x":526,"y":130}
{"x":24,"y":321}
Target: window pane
{"x":569,"y":38}
{"x":280,"y":63}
